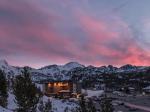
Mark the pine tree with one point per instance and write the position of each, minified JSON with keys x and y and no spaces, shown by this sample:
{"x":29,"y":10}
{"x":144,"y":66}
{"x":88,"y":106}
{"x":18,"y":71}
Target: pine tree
{"x":3,"y":89}
{"x":82,"y":103}
{"x":26,"y":93}
{"x":86,"y":106}
{"x":106,"y":105}
{"x":91,"y":106}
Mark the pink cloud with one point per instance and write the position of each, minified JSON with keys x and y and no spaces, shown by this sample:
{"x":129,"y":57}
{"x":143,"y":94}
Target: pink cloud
{"x":29,"y":33}
{"x":101,"y":33}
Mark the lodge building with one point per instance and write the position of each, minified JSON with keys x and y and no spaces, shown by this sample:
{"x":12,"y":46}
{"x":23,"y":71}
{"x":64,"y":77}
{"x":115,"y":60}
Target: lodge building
{"x":62,"y":88}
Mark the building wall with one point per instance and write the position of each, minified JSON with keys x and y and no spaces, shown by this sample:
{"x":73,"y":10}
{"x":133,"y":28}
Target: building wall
{"x":55,"y":87}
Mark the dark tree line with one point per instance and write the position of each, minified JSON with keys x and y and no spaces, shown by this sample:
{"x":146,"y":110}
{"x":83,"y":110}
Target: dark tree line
{"x":3,"y":89}
{"x":89,"y":106}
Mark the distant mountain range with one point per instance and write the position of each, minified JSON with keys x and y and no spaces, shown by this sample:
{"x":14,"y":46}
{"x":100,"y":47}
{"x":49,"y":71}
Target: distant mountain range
{"x":63,"y":72}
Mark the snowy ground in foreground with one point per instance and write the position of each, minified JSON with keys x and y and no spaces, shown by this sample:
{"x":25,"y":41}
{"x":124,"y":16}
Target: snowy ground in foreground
{"x":57,"y":104}
{"x":4,"y":110}
{"x":11,"y":104}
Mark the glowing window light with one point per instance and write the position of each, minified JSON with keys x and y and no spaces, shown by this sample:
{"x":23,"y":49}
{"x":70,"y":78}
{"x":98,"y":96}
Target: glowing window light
{"x":61,"y":84}
{"x":49,"y":85}
{"x":55,"y":84}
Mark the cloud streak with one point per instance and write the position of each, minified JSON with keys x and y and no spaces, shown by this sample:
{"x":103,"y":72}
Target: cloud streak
{"x":45,"y":32}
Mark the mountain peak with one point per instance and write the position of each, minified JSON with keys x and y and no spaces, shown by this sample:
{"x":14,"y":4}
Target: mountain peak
{"x":128,"y":66}
{"x":50,"y":66}
{"x":72,"y":65}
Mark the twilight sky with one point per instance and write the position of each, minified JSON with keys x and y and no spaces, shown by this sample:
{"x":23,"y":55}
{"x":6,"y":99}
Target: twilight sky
{"x":97,"y":32}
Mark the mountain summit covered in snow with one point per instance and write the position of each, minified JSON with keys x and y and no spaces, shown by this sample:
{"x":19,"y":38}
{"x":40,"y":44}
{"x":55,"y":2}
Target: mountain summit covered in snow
{"x":64,"y":72}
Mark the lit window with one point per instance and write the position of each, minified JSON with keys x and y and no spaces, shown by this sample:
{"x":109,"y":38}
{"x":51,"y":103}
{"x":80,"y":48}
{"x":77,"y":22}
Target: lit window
{"x":49,"y":85}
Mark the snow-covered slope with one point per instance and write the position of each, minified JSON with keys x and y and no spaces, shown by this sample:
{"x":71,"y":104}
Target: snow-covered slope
{"x":9,"y":70}
{"x":4,"y":110}
{"x":71,"y":65}
{"x":57,"y":104}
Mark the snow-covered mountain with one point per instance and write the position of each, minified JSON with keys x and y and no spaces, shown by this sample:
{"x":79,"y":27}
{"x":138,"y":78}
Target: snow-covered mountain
{"x":51,"y":71}
{"x":62,"y":72}
{"x":8,"y":69}
{"x":56,"y":71}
